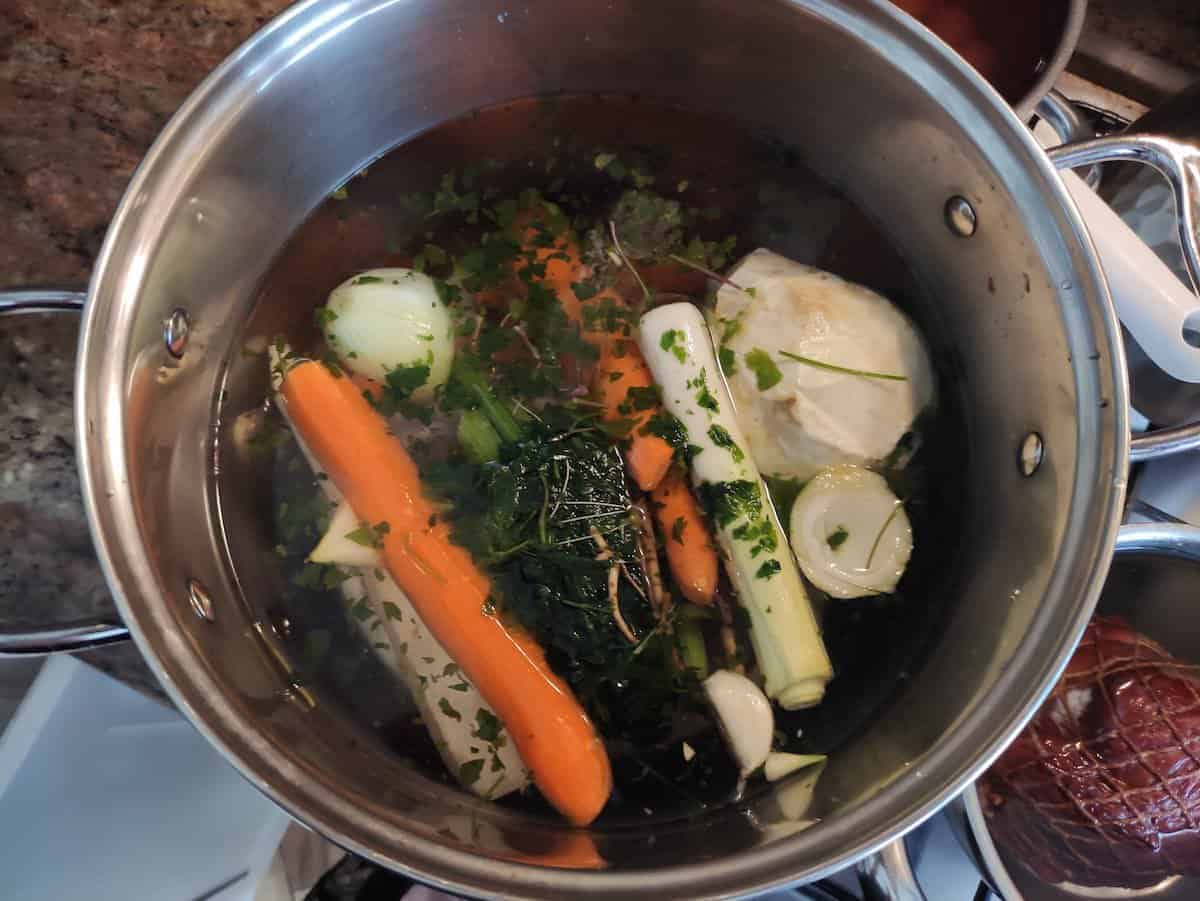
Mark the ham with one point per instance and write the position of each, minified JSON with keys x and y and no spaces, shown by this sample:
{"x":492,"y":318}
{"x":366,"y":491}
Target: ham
{"x":1103,"y":787}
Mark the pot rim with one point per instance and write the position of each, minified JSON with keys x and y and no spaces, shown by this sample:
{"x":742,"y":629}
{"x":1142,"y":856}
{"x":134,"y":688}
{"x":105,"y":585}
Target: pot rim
{"x":104,"y":472}
{"x":1057,"y":63}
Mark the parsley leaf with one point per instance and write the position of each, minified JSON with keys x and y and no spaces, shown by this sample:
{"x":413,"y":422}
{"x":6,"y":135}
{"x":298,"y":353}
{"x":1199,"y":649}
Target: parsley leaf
{"x":368,"y":535}
{"x":727,"y":359}
{"x":323,"y":317}
{"x":487,"y":726}
{"x":720,"y":436}
{"x":677,"y":529}
{"x":704,"y":397}
{"x":469,"y":772}
{"x":769,"y":569}
{"x":766,"y":373}
{"x":637,"y":399}
{"x":672,"y":340}
{"x":727,"y":501}
{"x":398,"y":387}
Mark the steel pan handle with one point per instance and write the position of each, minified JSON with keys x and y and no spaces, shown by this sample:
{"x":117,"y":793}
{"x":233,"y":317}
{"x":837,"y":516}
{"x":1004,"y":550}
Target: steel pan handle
{"x":1159,"y":311}
{"x":887,"y":875}
{"x":76,"y":635}
{"x":1154,"y":305}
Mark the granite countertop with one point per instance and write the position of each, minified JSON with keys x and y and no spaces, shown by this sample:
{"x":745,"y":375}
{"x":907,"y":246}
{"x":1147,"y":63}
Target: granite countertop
{"x":84,"y":88}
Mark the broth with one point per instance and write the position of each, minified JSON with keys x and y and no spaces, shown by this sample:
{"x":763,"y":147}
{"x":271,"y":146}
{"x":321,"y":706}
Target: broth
{"x":582,"y":153}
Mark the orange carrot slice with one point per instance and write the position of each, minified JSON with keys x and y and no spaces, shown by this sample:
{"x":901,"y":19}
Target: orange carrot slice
{"x":621,"y":368}
{"x":690,"y":551}
{"x":380,"y":481}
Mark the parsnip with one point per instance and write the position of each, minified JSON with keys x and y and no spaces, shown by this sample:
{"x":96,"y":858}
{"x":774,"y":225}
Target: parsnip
{"x":474,"y":744}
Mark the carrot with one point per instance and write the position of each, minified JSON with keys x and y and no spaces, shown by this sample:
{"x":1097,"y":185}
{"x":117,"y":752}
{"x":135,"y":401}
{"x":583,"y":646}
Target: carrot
{"x":568,"y":851}
{"x":562,"y":268}
{"x":380,"y":481}
{"x":621,"y":368}
{"x":690,"y":551}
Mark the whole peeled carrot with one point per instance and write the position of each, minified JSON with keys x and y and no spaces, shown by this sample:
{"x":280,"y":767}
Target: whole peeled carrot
{"x":380,"y":481}
{"x":690,"y":550}
{"x":621,"y":367}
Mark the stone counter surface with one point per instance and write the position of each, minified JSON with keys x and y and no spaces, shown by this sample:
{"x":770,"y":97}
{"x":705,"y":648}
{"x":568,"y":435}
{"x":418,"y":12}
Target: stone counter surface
{"x":85,"y":85}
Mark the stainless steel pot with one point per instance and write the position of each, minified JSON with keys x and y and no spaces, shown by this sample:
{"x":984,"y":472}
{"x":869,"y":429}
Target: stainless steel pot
{"x":1152,"y":584}
{"x":1056,"y":64}
{"x":876,"y":106}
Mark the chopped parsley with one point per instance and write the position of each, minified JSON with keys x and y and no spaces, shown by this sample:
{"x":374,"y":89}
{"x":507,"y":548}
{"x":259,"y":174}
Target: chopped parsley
{"x":769,"y":569}
{"x":766,"y":372}
{"x":726,"y":502}
{"x":673,"y":340}
{"x":584,"y":290}
{"x":761,"y":532}
{"x":398,"y":387}
{"x":638,"y":399}
{"x":367,"y":280}
{"x":668,"y":427}
{"x":447,"y":708}
{"x":323,"y":317}
{"x":720,"y":436}
{"x":487,"y":726}
{"x":677,"y":529}
{"x":368,"y":535}
{"x":469,"y":772}
{"x":727,"y":359}
{"x":704,"y":397}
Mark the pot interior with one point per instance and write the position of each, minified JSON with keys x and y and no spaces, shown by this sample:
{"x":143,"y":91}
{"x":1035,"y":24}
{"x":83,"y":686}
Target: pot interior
{"x":880,"y":130}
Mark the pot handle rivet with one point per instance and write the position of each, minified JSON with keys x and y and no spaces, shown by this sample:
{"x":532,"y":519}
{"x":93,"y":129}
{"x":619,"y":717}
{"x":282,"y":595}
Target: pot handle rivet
{"x":960,"y":216}
{"x":1032,"y":452}
{"x":176,"y":329}
{"x":200,"y":600}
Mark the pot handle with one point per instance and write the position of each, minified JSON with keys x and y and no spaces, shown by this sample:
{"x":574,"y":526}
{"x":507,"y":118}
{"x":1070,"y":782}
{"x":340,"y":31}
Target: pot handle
{"x":887,"y":875}
{"x":1159,"y":311}
{"x":77,"y":635}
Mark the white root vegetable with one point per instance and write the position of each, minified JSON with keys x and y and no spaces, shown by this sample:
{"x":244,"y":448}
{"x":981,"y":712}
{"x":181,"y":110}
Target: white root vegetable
{"x":850,"y":533}
{"x":810,"y":417}
{"x":780,"y":764}
{"x":675,"y":341}
{"x":473,"y":743}
{"x":382,"y":319}
{"x":744,"y":716}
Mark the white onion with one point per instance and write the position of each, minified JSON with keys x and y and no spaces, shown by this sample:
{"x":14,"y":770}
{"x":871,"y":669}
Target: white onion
{"x":850,"y":533}
{"x":385,"y":318}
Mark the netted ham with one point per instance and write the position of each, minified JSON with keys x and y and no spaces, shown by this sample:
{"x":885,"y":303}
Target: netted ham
{"x":1103,"y":787}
